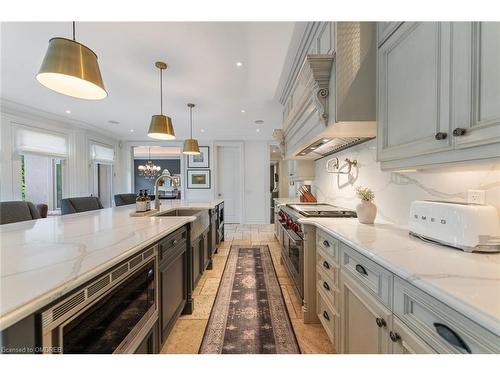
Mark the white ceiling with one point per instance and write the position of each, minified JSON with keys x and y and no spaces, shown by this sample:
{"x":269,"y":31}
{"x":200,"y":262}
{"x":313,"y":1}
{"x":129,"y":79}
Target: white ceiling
{"x":202,"y":69}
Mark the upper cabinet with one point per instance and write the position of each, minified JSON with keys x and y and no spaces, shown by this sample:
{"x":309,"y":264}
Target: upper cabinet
{"x":438,"y":93}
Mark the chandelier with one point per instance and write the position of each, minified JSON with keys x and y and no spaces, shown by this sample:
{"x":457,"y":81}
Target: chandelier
{"x":149,"y":170}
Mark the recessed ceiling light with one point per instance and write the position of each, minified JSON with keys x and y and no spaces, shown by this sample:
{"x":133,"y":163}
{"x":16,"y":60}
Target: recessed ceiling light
{"x":131,"y":130}
{"x":68,"y":111}
{"x":114,"y":122}
{"x":274,"y":150}
{"x":259,"y":122}
{"x":243,"y":111}
{"x":239,"y":64}
{"x":257,"y":130}
{"x":202,"y":130}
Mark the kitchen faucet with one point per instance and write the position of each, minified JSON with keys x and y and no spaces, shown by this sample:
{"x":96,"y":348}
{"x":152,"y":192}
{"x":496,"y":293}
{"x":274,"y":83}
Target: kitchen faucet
{"x":157,"y":184}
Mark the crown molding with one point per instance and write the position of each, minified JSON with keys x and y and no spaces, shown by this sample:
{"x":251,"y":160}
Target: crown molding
{"x":13,"y":108}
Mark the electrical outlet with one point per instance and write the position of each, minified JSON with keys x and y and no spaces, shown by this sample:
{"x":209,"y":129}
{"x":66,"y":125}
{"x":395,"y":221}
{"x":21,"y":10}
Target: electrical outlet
{"x":476,"y":196}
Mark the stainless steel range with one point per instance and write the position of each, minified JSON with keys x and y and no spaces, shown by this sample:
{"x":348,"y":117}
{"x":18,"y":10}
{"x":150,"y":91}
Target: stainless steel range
{"x":294,"y":240}
{"x":290,"y":234}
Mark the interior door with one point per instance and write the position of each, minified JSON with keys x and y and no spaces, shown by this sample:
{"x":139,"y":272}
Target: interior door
{"x":228,"y":181}
{"x":104,"y":184}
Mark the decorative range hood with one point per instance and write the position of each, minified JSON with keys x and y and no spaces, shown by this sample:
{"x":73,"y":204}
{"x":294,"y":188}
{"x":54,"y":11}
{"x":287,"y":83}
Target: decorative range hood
{"x":332,"y":103}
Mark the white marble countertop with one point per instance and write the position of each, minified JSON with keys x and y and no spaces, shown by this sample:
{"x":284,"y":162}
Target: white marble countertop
{"x":467,"y":282}
{"x":287,"y":200}
{"x":43,"y":259}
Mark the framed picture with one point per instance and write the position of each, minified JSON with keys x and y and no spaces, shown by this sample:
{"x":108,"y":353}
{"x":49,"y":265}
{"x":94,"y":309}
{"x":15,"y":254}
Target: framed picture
{"x":200,"y":161}
{"x":198,"y":179}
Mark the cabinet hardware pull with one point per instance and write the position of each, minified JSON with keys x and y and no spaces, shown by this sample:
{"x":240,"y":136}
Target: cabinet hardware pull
{"x":380,"y":322}
{"x":326,"y":286}
{"x":326,"y":243}
{"x":394,"y":336}
{"x":361,"y":269}
{"x":440,"y":136}
{"x":174,"y":242}
{"x":458,"y":132}
{"x":326,"y":316}
{"x":326,"y":265}
{"x":451,"y":337}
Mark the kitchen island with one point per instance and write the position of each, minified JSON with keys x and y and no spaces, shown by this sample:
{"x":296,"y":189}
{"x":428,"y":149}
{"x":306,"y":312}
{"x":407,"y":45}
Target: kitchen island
{"x":46,"y":259}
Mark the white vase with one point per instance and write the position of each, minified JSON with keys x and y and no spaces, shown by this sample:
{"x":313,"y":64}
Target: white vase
{"x":366,"y":212}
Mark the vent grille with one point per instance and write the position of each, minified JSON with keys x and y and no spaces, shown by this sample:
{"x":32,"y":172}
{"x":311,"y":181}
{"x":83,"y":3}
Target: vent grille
{"x":58,"y":313}
{"x":68,"y":305}
{"x":134,"y":262}
{"x":97,"y":286}
{"x":148,"y":253}
{"x":119,"y":272}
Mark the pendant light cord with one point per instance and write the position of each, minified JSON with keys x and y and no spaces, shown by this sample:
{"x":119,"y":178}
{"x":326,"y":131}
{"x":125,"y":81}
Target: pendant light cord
{"x":161,"y":91}
{"x":74,"y":31}
{"x":191,"y":120}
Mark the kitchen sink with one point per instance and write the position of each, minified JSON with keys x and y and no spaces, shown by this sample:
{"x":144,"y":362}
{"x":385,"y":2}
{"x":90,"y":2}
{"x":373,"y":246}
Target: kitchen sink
{"x":198,"y":226}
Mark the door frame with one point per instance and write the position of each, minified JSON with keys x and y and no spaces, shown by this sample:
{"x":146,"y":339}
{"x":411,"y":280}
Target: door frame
{"x":240,"y":146}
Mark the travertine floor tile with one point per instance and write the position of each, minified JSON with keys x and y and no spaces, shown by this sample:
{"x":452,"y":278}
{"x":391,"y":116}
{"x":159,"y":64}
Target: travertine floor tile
{"x":186,"y":337}
{"x":210,"y":286}
{"x":202,"y":307}
{"x":312,"y":338}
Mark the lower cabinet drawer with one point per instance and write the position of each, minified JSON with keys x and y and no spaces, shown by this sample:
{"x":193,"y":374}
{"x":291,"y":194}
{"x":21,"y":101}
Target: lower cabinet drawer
{"x":329,"y":288}
{"x":328,"y":244}
{"x":329,"y":267}
{"x":441,"y":327}
{"x":405,"y":341}
{"x":376,"y":279}
{"x":328,"y":318}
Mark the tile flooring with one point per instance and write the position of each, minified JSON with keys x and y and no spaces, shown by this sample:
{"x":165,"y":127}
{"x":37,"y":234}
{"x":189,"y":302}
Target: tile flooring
{"x":187,"y":333}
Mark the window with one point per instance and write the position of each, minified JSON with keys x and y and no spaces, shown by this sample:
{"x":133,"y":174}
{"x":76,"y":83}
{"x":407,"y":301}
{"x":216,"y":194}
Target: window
{"x":42,"y":180}
{"x":42,"y":165}
{"x":102,"y":158}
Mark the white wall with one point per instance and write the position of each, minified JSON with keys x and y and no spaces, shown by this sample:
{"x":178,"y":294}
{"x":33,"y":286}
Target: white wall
{"x":256,"y":182}
{"x":394,"y":191}
{"x":78,"y":178}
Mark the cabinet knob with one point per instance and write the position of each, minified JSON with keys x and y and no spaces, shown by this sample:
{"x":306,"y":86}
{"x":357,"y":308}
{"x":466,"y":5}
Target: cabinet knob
{"x":381,"y":322}
{"x":458,"y":132}
{"x":394,"y":336}
{"x":174,"y":242}
{"x":440,"y":136}
{"x":326,"y":265}
{"x":326,"y":286}
{"x":326,"y":316}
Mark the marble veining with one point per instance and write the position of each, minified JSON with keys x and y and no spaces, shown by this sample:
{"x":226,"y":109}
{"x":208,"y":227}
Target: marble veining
{"x":43,"y":259}
{"x":467,"y":282}
{"x":394,"y":191}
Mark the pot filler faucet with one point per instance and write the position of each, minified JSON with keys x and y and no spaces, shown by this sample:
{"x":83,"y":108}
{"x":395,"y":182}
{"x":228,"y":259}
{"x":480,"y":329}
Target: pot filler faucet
{"x":157,"y":184}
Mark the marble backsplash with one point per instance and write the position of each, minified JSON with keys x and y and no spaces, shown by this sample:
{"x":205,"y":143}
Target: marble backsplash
{"x":394,"y":191}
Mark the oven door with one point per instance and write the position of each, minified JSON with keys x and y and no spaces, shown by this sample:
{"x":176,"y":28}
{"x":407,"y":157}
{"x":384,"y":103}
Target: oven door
{"x":293,"y":256}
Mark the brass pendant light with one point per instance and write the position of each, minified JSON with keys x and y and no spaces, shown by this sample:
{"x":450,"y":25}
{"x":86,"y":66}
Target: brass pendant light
{"x":70,"y":68}
{"x":161,"y":126}
{"x":191,"y":145}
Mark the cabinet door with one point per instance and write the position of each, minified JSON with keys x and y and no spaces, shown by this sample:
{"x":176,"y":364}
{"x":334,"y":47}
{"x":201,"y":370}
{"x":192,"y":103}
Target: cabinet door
{"x":173,"y":292}
{"x":413,"y":84}
{"x":365,"y":322}
{"x":405,"y":341}
{"x":476,"y":78}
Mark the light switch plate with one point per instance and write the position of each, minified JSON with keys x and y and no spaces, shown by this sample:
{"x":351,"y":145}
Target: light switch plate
{"x":476,"y":196}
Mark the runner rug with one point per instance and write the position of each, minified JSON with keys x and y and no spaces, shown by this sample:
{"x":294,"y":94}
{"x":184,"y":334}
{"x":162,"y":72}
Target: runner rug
{"x":249,"y":315}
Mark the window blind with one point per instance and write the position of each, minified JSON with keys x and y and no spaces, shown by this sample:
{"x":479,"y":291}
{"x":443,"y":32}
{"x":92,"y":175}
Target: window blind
{"x":39,"y":142}
{"x":102,"y":153}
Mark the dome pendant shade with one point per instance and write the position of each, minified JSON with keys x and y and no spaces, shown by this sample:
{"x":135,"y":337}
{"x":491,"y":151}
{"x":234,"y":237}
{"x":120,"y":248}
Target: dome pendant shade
{"x":161,"y":128}
{"x":70,"y":68}
{"x":191,"y":147}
